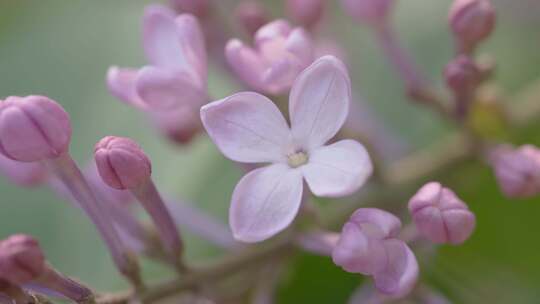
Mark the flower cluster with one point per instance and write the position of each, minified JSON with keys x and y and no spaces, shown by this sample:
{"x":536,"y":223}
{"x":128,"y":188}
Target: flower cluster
{"x":291,"y":158}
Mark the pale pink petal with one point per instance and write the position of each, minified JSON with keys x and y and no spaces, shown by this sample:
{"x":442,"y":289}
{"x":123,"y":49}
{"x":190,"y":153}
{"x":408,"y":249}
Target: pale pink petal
{"x":193,"y":46}
{"x":401,"y":272}
{"x":279,"y":77}
{"x":386,"y":221}
{"x":275,"y":29}
{"x":299,"y":43}
{"x":245,"y":62}
{"x":161,"y":89}
{"x":338,"y":169}
{"x":161,"y":39}
{"x":121,"y":84}
{"x":265,"y":202}
{"x":357,"y":253}
{"x":319,"y":102}
{"x":247,"y":127}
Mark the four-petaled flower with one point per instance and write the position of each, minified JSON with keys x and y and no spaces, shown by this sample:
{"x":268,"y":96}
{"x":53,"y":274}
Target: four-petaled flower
{"x":247,"y":127}
{"x":174,"y":86}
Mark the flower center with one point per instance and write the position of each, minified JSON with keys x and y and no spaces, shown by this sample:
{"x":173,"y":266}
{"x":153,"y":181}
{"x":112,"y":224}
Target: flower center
{"x":297,"y":159}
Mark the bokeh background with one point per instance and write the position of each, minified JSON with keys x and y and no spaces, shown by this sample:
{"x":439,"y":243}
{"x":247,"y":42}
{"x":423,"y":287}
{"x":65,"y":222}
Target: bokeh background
{"x":62,"y":49}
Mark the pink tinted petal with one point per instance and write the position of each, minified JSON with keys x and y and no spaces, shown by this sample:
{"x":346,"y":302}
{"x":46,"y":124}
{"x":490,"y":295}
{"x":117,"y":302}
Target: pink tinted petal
{"x":279,"y":77}
{"x":192,"y":41}
{"x":319,"y":102}
{"x":246,"y":63}
{"x":161,"y":89}
{"x":265,"y":202}
{"x":460,"y":225}
{"x":338,"y":169}
{"x":401,"y":272}
{"x":430,"y":223}
{"x":384,"y":220}
{"x":161,"y":38}
{"x":247,"y":127}
{"x":356,"y":253}
{"x":299,"y":43}
{"x":275,"y":29}
{"x":121,"y":84}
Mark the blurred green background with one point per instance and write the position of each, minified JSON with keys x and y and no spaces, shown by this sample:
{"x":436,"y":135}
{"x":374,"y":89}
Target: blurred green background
{"x":62,"y":49}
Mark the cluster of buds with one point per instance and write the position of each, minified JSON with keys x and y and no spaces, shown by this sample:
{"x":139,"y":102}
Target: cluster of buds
{"x":289,"y":159}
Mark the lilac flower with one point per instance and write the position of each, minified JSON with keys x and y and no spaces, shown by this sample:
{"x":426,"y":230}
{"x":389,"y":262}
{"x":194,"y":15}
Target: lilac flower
{"x":517,"y":170}
{"x":305,"y":12}
{"x":21,"y":173}
{"x":174,"y":86}
{"x":440,"y":216}
{"x":369,"y":245}
{"x":280,"y":54}
{"x":247,"y":127}
{"x":251,"y":15}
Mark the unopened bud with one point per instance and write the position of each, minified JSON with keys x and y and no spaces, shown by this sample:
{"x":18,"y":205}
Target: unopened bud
{"x":471,"y":21}
{"x":372,"y":12}
{"x":440,"y":216}
{"x":251,"y":16}
{"x":33,"y":128}
{"x":462,"y":74}
{"x":121,"y":162}
{"x":517,"y":170}
{"x":305,"y":12}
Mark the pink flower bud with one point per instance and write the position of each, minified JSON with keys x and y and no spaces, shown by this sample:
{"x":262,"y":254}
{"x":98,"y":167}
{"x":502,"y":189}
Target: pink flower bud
{"x":251,"y":16}
{"x":440,"y":216}
{"x":518,"y":170}
{"x":305,"y":12}
{"x":372,"y":12}
{"x":33,"y":128}
{"x":21,"y":259}
{"x":471,"y":22}
{"x":21,"y":173}
{"x":198,"y":8}
{"x":462,"y":74}
{"x":369,"y":245}
{"x":121,"y":162}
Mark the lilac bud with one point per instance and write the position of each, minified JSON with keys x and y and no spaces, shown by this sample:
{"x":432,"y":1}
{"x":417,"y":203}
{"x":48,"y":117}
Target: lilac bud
{"x":372,"y":12}
{"x":369,"y":245}
{"x":22,"y":263}
{"x":462,"y":74}
{"x":199,"y":8}
{"x":33,"y":128}
{"x":21,"y":173}
{"x":518,"y":170}
{"x":440,"y":216}
{"x":121,"y":162}
{"x":251,"y":16}
{"x":305,"y":12}
{"x":471,"y":22}
{"x":21,"y":259}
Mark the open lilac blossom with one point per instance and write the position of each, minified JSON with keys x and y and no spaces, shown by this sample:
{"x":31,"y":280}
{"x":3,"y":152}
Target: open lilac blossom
{"x":440,"y":216}
{"x":517,"y":170}
{"x":471,"y":21}
{"x":247,"y":127}
{"x":122,"y":164}
{"x":372,"y":12}
{"x":369,"y":245}
{"x":23,"y":173}
{"x":173,"y":87}
{"x":279,"y":55}
{"x":305,"y":12}
{"x":36,"y":128}
{"x":22,"y":262}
